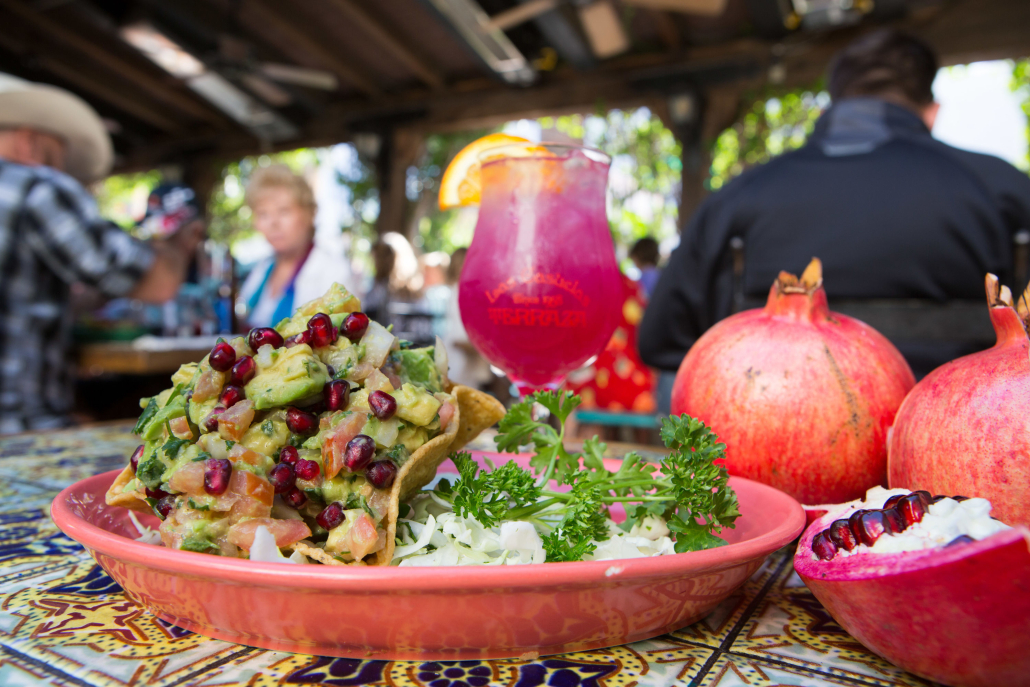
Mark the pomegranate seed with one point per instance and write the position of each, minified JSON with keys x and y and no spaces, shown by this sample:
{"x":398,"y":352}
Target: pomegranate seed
{"x":331,"y":516}
{"x":331,"y":370}
{"x":354,"y":325}
{"x":217,"y":472}
{"x":222,"y":357}
{"x":322,"y":331}
{"x":336,"y":394}
{"x":856,"y":527}
{"x":359,"y":453}
{"x":383,"y":405}
{"x":243,"y":371}
{"x":381,"y":473}
{"x":295,"y":498}
{"x":895,"y":523}
{"x":301,"y":422}
{"x":842,"y":535}
{"x":307,"y":469}
{"x":871,"y":525}
{"x":297,"y":339}
{"x":158,"y":493}
{"x":264,"y":336}
{"x":892,"y":501}
{"x":289,"y":455}
{"x":912,"y":508}
{"x":165,"y":506}
{"x":960,"y":539}
{"x":231,"y":395}
{"x":136,"y":455}
{"x":211,"y":421}
{"x":282,"y":478}
{"x":823,"y":546}
{"x":960,"y":499}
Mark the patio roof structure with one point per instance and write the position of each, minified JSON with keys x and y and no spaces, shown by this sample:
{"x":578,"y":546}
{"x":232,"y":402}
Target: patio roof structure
{"x":194,"y":83}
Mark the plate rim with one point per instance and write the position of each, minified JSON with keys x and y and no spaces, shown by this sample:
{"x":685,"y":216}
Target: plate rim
{"x":429,"y":578}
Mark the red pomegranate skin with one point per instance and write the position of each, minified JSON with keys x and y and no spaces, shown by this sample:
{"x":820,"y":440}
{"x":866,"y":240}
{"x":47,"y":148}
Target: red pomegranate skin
{"x":802,"y":397}
{"x":964,"y":429}
{"x":959,"y":616}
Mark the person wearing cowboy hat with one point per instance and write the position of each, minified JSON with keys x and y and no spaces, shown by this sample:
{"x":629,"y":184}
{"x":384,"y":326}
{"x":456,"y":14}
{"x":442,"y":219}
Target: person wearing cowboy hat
{"x":51,"y":237}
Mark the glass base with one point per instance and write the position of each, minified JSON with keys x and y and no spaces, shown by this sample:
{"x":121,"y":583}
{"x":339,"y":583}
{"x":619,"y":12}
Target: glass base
{"x":525,"y":388}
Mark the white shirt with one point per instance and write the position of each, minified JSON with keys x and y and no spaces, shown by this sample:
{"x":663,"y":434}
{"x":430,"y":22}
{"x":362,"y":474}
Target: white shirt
{"x":319,"y":272}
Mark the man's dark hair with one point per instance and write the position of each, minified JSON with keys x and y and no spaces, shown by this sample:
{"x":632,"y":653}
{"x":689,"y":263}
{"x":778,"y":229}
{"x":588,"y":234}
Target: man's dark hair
{"x":887,"y":64}
{"x":645,"y":251}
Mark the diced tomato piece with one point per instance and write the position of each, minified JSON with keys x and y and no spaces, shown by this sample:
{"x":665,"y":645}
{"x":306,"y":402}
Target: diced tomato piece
{"x":209,"y":385}
{"x":363,"y":537}
{"x":379,"y":502}
{"x":181,"y":428}
{"x":242,"y":454}
{"x":236,"y":420}
{"x":254,"y":495}
{"x":189,"y":479}
{"x":286,"y":532}
{"x":336,"y":444}
{"x":446,"y":414}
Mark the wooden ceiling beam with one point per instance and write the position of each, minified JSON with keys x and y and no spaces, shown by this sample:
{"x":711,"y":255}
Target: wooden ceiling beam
{"x":109,"y":94}
{"x":372,"y":28}
{"x":265,"y":14}
{"x":96,"y":52}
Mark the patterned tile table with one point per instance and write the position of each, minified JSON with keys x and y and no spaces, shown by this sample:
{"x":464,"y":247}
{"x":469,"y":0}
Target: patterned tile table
{"x":63,"y":621}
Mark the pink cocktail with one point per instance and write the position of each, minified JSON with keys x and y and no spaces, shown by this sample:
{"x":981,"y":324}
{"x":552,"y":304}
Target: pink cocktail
{"x":539,"y":292}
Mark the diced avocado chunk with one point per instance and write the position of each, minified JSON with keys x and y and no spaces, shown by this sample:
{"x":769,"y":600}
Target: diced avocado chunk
{"x":175,"y":408}
{"x":267,"y":436}
{"x":296,"y":374}
{"x":200,"y":410}
{"x":412,"y":438}
{"x":415,"y":405}
{"x":339,"y":488}
{"x":185,"y":374}
{"x":151,"y":468}
{"x":383,"y":432}
{"x":198,"y":545}
{"x":337,"y":541}
{"x":418,"y":366}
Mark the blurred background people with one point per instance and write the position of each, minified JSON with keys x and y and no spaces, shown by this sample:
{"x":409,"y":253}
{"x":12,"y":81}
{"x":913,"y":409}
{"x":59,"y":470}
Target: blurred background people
{"x":51,"y":238}
{"x":645,"y":256}
{"x":891,"y":212}
{"x":283,"y":210}
{"x":467,"y":366}
{"x":376,"y":302}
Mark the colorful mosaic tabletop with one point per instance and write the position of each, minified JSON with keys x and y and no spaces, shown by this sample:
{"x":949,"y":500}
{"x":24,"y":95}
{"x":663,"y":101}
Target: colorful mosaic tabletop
{"x":63,"y":621}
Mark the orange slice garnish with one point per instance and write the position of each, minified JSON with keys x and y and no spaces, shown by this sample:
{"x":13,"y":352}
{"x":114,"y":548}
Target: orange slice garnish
{"x":462,"y":184}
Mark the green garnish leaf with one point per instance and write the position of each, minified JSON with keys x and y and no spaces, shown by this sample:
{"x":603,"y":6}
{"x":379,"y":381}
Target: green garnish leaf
{"x":146,"y":416}
{"x":172,"y":447}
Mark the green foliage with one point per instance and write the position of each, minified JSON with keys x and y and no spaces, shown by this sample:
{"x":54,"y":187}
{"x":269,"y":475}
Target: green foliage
{"x":489,"y":496}
{"x":1021,"y":86}
{"x":775,"y":122}
{"x":122,"y":198}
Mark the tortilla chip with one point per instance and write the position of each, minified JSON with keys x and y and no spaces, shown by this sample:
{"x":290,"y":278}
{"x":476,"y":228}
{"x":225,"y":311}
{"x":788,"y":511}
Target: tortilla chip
{"x":117,"y":497}
{"x":475,"y":412}
{"x":315,"y":553}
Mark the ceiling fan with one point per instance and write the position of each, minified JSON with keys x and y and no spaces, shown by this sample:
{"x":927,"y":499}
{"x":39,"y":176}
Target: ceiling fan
{"x":600,"y":19}
{"x":263,"y":78}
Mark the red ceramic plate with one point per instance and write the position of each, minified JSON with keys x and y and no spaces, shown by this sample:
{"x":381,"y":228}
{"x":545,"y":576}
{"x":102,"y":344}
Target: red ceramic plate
{"x":427,"y":613}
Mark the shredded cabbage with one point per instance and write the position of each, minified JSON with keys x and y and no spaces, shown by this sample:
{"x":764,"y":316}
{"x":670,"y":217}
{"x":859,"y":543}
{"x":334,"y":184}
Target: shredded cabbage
{"x":433,"y":534}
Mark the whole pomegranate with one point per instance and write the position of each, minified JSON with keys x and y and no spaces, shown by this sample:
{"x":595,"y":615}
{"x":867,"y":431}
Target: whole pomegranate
{"x":963,"y":429}
{"x":801,"y":396}
{"x":957,"y":614}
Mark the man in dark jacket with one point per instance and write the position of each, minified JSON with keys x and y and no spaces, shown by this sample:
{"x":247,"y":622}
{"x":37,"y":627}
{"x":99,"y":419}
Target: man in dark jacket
{"x":903,"y":223}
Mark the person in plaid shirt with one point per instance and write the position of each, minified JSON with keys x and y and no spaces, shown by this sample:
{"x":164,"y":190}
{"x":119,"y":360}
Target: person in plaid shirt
{"x":51,"y":237}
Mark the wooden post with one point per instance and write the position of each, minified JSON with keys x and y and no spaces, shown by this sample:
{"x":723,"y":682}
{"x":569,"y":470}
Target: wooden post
{"x":399,"y":150}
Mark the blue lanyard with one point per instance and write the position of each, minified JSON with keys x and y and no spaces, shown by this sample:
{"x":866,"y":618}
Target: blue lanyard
{"x":284,"y":308}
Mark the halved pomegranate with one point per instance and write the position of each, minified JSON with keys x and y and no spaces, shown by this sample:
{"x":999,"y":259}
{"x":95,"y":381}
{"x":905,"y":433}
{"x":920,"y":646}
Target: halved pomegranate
{"x":958,"y":613}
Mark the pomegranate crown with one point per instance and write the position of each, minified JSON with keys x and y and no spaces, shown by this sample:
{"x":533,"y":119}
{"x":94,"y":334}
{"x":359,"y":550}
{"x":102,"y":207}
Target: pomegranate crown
{"x":811,"y":279}
{"x":1000,"y":296}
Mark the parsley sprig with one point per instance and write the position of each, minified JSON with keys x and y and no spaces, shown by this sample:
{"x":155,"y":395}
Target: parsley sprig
{"x":691,"y":493}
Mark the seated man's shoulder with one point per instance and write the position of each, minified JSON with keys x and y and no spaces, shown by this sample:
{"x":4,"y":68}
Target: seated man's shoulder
{"x":990,"y":169}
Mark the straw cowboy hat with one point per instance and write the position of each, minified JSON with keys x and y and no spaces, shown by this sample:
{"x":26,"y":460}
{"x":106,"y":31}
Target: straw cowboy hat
{"x":55,"y":111}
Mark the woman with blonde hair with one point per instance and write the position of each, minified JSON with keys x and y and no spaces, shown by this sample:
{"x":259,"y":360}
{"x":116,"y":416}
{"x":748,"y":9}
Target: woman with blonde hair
{"x":283,"y":210}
